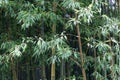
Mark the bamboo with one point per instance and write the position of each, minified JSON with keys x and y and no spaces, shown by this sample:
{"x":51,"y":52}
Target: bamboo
{"x":118,"y":6}
{"x":13,"y":66}
{"x":105,"y":69}
{"x":81,"y":53}
{"x":80,"y":49}
{"x":62,"y":70}
{"x":95,"y":63}
{"x":43,"y":66}
{"x":28,"y":72}
{"x":43,"y":71}
{"x":68,"y":71}
{"x":53,"y":67}
{"x":53,"y":52}
{"x":14,"y":74}
{"x":53,"y":49}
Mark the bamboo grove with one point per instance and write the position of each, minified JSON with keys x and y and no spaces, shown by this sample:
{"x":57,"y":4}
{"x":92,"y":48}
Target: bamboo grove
{"x":59,"y":40}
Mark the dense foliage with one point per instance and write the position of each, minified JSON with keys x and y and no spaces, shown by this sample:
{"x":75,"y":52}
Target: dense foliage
{"x":77,"y":39}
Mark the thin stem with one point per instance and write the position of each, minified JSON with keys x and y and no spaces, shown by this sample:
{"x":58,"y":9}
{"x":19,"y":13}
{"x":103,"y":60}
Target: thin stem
{"x":53,"y":49}
{"x":81,"y":54}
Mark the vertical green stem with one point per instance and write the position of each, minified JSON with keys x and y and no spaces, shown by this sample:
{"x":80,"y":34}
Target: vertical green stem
{"x":53,"y":49}
{"x":14,"y":74}
{"x":53,"y":67}
{"x":62,"y":70}
{"x":43,"y":71}
{"x":95,"y":63}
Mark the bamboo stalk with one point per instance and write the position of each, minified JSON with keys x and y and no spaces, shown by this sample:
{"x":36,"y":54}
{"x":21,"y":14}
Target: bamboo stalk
{"x":53,"y":67}
{"x":95,"y":63}
{"x":28,"y":72}
{"x":68,"y":71}
{"x":14,"y":74}
{"x":43,"y":66}
{"x":62,"y":70}
{"x":53,"y":49}
{"x":53,"y":52}
{"x":105,"y":69}
{"x":43,"y":71}
{"x":81,"y":53}
{"x":118,"y":6}
{"x":80,"y":49}
{"x":13,"y":66}
{"x":53,"y":72}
